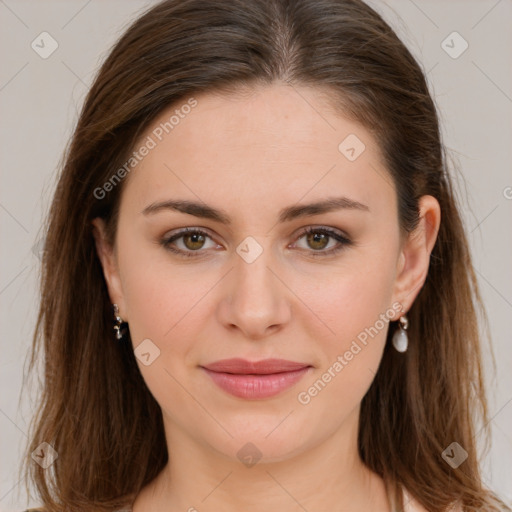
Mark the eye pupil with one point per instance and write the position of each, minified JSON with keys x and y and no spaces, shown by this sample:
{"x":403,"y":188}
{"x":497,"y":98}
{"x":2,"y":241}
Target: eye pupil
{"x":196,"y":239}
{"x":318,"y":237}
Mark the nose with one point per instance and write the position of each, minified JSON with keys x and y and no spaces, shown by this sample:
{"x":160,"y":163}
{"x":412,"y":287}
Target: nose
{"x":255,"y":299}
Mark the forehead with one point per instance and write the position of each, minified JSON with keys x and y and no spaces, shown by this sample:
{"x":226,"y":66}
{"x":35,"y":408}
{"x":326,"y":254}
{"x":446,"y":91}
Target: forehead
{"x":269,"y":145}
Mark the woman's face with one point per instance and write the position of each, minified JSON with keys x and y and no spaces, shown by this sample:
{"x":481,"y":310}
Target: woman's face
{"x":252,"y":284}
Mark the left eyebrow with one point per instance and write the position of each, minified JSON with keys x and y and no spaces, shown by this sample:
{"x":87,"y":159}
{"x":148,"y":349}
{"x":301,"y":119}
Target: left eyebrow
{"x":287,"y":214}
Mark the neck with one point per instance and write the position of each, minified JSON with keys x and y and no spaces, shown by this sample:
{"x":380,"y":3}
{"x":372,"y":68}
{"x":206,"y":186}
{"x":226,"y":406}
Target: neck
{"x":329,"y":476}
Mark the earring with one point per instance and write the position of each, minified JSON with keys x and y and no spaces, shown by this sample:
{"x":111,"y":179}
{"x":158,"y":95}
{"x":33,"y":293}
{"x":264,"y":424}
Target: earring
{"x":119,"y":322}
{"x":400,"y":338}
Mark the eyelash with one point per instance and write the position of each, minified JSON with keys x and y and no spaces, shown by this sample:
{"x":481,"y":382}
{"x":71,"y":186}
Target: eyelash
{"x":343,"y":240}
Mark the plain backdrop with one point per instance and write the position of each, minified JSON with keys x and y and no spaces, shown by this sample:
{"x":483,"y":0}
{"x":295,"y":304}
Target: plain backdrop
{"x":39,"y":103}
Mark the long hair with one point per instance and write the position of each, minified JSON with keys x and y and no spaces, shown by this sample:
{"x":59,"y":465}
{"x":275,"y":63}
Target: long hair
{"x":95,"y":409}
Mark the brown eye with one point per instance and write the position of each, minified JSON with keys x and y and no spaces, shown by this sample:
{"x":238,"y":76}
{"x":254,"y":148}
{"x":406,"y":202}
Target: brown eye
{"x":193,"y":241}
{"x":187,"y":242}
{"x":317,"y":239}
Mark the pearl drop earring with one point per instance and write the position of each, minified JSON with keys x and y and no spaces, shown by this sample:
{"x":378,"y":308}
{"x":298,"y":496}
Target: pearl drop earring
{"x":400,"y":338}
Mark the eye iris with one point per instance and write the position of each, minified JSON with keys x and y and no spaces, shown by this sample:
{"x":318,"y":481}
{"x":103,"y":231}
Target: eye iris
{"x":316,"y":237}
{"x":196,"y":239}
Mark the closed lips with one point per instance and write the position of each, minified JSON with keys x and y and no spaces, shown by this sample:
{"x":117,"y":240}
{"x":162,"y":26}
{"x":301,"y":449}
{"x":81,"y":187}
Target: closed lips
{"x":255,"y":380}
{"x":263,"y":367}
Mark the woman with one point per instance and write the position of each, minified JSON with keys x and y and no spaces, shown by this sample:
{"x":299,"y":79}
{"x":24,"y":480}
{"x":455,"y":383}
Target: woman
{"x":257,"y":292}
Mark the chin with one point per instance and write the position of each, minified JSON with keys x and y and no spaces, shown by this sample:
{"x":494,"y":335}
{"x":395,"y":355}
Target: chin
{"x":267,"y":444}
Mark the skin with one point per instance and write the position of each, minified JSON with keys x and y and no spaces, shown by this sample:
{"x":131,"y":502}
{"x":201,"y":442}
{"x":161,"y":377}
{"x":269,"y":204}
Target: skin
{"x":252,"y":155}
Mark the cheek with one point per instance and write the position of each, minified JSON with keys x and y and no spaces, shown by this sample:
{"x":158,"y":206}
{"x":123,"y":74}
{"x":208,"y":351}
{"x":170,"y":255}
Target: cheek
{"x":363,"y":299}
{"x":159,"y":295}
{"x":350,"y":298}
{"x":358,"y":312}
{"x":355,"y":307}
{"x":166,"y":307}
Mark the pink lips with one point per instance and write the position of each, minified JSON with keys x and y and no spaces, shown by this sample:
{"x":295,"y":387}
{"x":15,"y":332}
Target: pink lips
{"x":258,"y":379}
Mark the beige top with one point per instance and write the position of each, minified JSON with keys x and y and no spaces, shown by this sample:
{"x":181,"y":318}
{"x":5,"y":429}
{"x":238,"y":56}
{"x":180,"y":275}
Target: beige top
{"x":410,"y":505}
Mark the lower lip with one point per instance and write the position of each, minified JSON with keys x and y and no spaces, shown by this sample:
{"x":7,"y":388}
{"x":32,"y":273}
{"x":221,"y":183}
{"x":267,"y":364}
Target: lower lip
{"x":256,"y":386}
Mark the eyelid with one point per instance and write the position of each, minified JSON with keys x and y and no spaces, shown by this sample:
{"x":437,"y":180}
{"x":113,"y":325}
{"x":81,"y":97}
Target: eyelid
{"x":320,"y":228}
{"x":180,"y":232}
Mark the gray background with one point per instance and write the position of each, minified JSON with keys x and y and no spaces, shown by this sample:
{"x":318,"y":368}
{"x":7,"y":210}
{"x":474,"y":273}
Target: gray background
{"x":39,"y":103}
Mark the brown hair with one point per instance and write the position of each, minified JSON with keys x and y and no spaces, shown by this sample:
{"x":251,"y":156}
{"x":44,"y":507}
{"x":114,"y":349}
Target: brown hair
{"x":95,"y":409}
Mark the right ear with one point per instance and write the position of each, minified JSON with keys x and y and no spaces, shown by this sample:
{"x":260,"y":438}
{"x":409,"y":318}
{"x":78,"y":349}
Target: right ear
{"x":108,"y":259}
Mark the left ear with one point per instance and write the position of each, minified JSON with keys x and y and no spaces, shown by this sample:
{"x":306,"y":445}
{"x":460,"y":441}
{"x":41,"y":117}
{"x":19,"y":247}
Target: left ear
{"x":414,"y":259}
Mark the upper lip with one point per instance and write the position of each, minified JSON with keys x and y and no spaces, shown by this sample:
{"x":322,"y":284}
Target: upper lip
{"x":263,"y":367}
